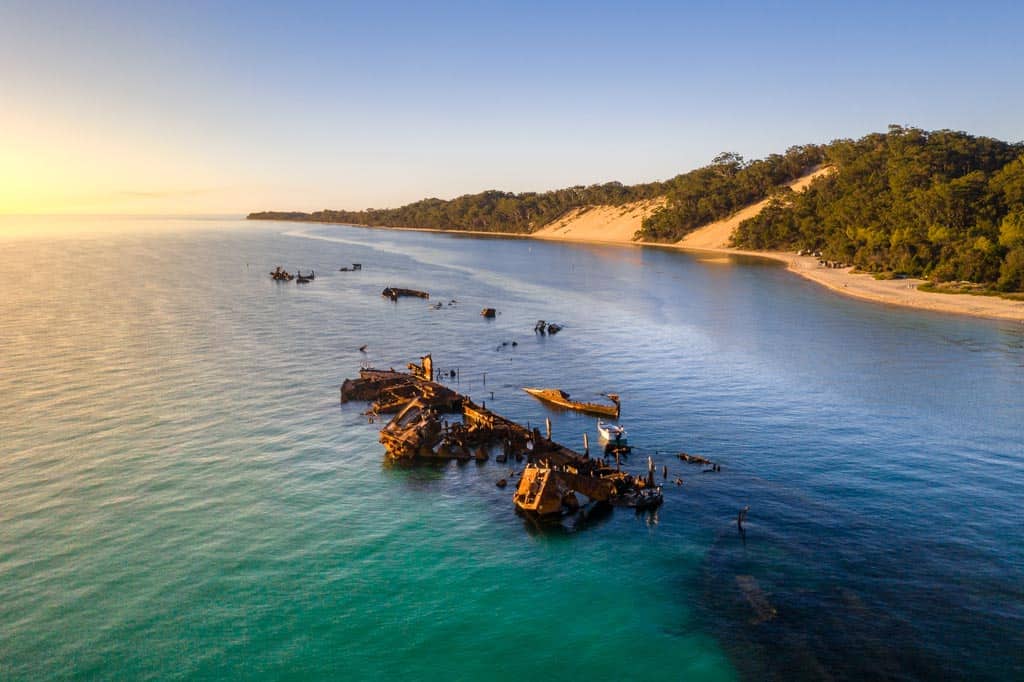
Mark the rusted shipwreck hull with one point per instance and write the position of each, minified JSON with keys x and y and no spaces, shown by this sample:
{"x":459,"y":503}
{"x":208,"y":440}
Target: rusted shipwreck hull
{"x":395,"y":292}
{"x":560,"y":398}
{"x":390,"y":391}
{"x":554,"y":474}
{"x":413,"y":431}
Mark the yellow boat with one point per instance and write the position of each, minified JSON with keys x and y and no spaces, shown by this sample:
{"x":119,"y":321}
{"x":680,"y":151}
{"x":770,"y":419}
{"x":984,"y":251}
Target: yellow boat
{"x":560,"y":398}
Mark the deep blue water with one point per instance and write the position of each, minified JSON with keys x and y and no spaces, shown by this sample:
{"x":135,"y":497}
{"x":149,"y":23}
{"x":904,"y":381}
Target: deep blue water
{"x":181,"y":494}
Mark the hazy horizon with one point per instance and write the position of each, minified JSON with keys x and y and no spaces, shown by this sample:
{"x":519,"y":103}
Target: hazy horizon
{"x":232,"y":108}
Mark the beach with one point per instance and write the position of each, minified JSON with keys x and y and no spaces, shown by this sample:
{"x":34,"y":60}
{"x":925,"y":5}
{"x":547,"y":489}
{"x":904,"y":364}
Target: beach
{"x":618,"y":225}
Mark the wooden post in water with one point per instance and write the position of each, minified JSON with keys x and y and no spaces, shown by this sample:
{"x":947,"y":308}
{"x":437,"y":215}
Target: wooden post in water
{"x":547,"y":423}
{"x":741,"y":517}
{"x":485,"y":378}
{"x":586,"y":445}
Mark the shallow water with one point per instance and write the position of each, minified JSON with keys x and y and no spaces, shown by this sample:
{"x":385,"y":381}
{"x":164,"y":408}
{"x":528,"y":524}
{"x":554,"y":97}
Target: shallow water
{"x":181,"y":494}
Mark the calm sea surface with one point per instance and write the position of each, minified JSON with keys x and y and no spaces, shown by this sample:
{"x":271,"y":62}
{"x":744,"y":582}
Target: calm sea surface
{"x":183,"y":496}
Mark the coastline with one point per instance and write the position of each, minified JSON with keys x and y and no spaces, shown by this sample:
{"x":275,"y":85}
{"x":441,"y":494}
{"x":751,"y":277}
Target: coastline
{"x":899,"y":292}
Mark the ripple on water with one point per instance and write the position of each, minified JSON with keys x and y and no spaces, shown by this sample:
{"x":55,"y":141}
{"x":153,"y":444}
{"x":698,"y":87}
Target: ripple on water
{"x":183,"y":496}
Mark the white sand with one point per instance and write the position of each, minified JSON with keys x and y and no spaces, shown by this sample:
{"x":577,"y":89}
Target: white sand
{"x":716,"y":235}
{"x":903,"y":292}
{"x":602,"y":224}
{"x":619,"y":224}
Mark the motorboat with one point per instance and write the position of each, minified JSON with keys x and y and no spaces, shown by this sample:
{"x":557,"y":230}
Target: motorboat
{"x":611,"y":433}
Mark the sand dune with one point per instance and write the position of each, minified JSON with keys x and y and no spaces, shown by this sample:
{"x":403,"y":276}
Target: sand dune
{"x":716,"y":235}
{"x":619,"y":224}
{"x":614,"y":224}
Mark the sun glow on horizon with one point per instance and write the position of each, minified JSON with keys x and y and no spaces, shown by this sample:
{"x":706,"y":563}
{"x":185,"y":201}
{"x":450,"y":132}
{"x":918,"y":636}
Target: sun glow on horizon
{"x":181,"y":108}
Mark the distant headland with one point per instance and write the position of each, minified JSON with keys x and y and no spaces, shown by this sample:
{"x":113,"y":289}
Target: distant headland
{"x":902,"y":217}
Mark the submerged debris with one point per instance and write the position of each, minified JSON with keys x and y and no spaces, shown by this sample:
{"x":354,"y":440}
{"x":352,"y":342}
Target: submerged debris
{"x":543,"y":327}
{"x":279,"y":274}
{"x":763,"y":610}
{"x":394,"y":293}
{"x":697,"y":459}
{"x":554,"y":474}
{"x":560,"y":398}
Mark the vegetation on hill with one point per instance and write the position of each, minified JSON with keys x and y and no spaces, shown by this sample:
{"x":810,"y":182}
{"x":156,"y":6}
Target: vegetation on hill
{"x":717,"y":191}
{"x":490,"y":211}
{"x":943,"y":205}
{"x":703,"y":195}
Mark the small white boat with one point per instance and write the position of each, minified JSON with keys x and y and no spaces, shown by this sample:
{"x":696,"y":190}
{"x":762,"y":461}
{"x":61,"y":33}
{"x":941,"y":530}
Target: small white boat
{"x":611,"y":433}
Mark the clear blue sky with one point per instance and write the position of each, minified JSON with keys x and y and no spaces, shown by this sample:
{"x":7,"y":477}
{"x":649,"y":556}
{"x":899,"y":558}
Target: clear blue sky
{"x":222,"y":106}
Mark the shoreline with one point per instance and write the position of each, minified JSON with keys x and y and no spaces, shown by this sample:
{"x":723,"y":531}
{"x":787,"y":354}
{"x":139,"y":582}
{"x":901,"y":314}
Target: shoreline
{"x":898,"y":292}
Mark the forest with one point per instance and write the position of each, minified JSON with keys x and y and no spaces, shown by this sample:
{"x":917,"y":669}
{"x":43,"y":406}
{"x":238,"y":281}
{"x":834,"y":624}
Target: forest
{"x":694,"y":198}
{"x":943,"y":205}
{"x":720,"y":189}
{"x":490,"y":211}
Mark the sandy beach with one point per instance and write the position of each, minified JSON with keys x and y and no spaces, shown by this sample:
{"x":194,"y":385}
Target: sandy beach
{"x":618,"y":225}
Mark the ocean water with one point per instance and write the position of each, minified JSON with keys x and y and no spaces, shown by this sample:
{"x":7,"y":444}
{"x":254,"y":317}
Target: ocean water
{"x":183,"y":496}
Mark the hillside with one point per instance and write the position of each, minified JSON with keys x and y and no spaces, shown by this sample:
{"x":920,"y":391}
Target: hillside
{"x":686,"y":201}
{"x":617,"y":224}
{"x":621,"y":224}
{"x":940,"y":205}
{"x":718,"y":234}
{"x":943,"y":205}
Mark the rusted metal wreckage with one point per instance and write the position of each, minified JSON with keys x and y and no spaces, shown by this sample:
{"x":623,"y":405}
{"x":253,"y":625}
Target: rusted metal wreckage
{"x":279,"y":274}
{"x":395,"y":292}
{"x":560,"y":398}
{"x":553,"y":475}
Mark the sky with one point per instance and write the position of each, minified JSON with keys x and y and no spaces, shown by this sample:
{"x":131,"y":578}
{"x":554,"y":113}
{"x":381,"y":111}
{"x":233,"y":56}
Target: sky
{"x":204,"y":107}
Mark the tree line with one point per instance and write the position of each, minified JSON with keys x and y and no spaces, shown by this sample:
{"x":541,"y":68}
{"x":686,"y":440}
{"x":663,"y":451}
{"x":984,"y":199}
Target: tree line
{"x":490,"y":211}
{"x":692,"y":199}
{"x":942,"y":205}
{"x":720,"y":189}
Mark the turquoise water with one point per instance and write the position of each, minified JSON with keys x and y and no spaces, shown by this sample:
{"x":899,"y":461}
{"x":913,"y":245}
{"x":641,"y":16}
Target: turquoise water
{"x":181,"y":494}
